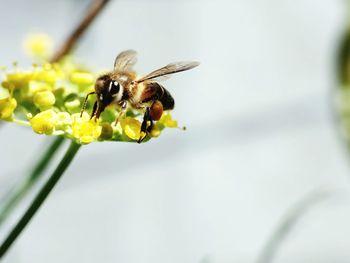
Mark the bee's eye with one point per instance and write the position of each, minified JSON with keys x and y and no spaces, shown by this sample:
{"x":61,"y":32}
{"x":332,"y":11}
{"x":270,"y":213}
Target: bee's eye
{"x":114,"y":87}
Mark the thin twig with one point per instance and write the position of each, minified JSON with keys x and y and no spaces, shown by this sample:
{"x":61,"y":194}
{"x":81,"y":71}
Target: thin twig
{"x":40,"y":198}
{"x":288,"y":222}
{"x":22,"y":189}
{"x":94,"y":9}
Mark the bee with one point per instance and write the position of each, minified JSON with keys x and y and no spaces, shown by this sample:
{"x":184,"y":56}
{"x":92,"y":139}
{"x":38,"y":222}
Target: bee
{"x":123,"y":88}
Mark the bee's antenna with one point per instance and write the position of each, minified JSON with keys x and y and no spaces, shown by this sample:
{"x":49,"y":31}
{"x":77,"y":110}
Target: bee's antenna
{"x":85,"y":102}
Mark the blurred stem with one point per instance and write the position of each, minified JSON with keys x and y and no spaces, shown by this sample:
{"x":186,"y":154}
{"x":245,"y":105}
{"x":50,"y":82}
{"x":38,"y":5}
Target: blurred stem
{"x":94,"y":9}
{"x":40,"y":198}
{"x":24,"y":187}
{"x":288,"y":222}
{"x":343,"y":58}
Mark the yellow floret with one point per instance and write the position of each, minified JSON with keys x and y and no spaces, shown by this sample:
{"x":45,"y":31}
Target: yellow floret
{"x":131,"y":127}
{"x":44,"y":122}
{"x":44,"y":99}
{"x":82,"y":78}
{"x":18,"y":79}
{"x":38,"y":45}
{"x":155,"y":132}
{"x":63,"y":121}
{"x":168,"y":121}
{"x":84,"y":129}
{"x":7,"y":107}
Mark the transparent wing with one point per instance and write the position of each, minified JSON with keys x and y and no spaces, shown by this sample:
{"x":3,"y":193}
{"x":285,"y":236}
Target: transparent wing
{"x":169,"y":69}
{"x":125,"y":60}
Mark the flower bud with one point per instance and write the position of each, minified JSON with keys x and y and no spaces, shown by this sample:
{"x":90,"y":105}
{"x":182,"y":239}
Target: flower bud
{"x":107,"y":131}
{"x":38,"y":45}
{"x":44,"y":122}
{"x":131,"y":127}
{"x":155,"y":132}
{"x":7,"y":107}
{"x":36,"y":86}
{"x":44,"y":99}
{"x":82,"y":78}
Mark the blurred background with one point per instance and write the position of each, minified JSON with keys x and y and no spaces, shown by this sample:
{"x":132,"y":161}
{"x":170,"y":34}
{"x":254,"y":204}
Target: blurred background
{"x":261,"y":136}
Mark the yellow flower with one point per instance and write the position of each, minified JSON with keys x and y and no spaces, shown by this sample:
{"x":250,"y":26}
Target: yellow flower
{"x":36,"y":86}
{"x":168,"y":121}
{"x":84,"y":129}
{"x":17,"y":79}
{"x":82,"y":78}
{"x":63,"y":121}
{"x":4,"y":93}
{"x":155,"y":131}
{"x":131,"y":127}
{"x":48,"y":73}
{"x":107,"y":131}
{"x":51,"y":94}
{"x":44,"y":122}
{"x":38,"y":45}
{"x":7,"y":107}
{"x":44,"y":99}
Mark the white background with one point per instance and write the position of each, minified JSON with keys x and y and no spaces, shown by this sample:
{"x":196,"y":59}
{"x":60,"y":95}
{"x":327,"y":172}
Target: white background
{"x":261,"y":136}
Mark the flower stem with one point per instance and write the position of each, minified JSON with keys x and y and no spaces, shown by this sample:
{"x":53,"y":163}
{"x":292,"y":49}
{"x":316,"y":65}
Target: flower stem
{"x":24,"y":187}
{"x":288,"y":222}
{"x":40,"y":198}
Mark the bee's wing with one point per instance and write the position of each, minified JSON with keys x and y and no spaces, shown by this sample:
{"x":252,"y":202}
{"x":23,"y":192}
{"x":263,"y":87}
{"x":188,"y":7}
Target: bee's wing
{"x":169,"y":69}
{"x":125,"y":60}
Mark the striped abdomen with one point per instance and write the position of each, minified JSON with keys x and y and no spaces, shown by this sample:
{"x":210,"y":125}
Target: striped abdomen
{"x":154,"y":91}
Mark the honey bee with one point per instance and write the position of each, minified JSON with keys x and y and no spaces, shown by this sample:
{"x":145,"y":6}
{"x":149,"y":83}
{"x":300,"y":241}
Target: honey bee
{"x":124,"y":89}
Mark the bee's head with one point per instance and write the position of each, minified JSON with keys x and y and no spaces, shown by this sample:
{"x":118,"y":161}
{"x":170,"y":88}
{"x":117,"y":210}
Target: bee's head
{"x":107,"y":91}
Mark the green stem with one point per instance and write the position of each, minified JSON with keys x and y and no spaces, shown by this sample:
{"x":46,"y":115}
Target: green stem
{"x":288,"y":222}
{"x":28,"y":183}
{"x":40,"y":198}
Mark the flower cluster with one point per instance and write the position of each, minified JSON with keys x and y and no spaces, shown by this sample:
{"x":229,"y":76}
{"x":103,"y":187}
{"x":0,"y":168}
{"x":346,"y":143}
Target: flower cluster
{"x":49,"y":98}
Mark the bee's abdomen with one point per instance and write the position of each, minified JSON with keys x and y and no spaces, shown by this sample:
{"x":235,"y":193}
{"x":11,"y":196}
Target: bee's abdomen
{"x":167,"y":100}
{"x":155,"y":91}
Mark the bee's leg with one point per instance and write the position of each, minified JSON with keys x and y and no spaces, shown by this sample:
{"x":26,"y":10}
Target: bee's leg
{"x":85,"y":102}
{"x":146,"y":118}
{"x":123,"y":105}
{"x":93,"y":110}
{"x":150,"y":127}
